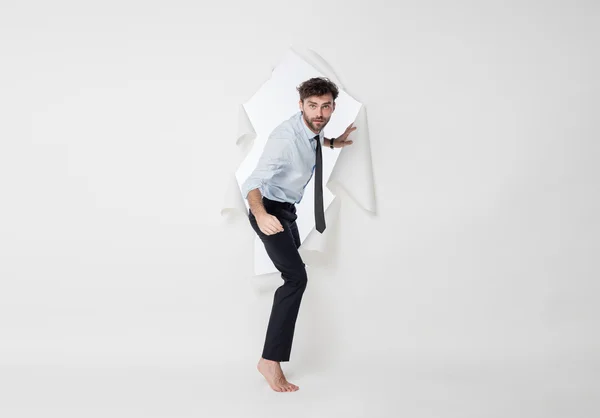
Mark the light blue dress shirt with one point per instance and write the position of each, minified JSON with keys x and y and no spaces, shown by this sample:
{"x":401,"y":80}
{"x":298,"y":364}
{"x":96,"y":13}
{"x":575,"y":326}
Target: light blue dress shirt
{"x":287,"y":162}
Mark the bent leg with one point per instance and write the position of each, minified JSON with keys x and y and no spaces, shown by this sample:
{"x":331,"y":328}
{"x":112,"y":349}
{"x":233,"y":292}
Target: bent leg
{"x":282,"y":248}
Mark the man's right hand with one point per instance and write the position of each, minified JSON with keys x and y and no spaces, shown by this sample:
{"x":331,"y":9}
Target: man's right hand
{"x":269,"y":224}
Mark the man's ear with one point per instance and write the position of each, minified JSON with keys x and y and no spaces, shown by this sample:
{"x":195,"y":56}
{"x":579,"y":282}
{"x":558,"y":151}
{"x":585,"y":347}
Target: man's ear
{"x":300,"y":104}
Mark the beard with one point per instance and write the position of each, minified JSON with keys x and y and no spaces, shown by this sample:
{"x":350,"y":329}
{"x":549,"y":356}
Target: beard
{"x":313,"y":125}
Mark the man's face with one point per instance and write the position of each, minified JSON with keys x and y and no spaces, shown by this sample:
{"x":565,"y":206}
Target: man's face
{"x":317,"y":111}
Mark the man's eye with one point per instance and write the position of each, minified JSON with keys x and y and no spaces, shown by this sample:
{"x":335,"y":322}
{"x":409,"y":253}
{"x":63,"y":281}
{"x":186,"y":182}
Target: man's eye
{"x":326,"y":106}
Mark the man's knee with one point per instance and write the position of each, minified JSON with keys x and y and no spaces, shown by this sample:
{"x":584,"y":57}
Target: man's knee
{"x":297,"y":276}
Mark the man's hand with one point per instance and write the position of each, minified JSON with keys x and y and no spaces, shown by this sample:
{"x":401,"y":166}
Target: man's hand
{"x":342,"y":140}
{"x":266,"y":222}
{"x":269,"y":224}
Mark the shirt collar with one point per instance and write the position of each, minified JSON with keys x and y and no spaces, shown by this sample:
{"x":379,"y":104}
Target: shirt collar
{"x":310,"y":134}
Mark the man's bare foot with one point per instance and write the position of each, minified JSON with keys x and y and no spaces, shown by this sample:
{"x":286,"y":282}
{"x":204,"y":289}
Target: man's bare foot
{"x":271,"y":370}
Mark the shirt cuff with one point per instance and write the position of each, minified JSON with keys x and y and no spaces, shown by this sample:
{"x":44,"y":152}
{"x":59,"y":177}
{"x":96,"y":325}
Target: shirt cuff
{"x":251,"y":184}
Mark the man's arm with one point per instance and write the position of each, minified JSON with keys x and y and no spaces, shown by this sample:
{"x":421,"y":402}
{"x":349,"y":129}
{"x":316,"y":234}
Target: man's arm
{"x":255,"y":202}
{"x":275,"y":156}
{"x":267,"y":223}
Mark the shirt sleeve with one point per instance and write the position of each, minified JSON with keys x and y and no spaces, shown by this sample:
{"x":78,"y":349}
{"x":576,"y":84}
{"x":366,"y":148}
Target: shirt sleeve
{"x":276,"y":155}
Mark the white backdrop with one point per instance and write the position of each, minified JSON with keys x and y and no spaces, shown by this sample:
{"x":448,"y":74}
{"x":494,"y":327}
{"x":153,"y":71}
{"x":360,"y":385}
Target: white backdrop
{"x":117,"y":122}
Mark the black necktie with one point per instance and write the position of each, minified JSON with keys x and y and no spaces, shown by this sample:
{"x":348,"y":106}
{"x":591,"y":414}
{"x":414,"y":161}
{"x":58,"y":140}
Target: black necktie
{"x":319,"y":212}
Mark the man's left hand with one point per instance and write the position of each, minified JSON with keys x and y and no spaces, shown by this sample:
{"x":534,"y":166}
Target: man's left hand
{"x":342,"y":140}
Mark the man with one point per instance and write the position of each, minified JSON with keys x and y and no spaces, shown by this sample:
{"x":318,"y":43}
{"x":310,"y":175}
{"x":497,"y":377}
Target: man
{"x":291,"y":155}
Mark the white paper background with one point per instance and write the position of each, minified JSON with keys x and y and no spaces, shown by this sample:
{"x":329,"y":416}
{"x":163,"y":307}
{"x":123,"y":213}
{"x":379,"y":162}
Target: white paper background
{"x":472,"y":293}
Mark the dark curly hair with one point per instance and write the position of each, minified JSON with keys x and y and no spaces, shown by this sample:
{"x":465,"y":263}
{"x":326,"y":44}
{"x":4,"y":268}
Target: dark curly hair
{"x":317,"y":86}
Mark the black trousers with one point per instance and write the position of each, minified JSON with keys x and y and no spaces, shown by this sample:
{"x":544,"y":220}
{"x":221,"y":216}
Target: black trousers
{"x":282,"y":248}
